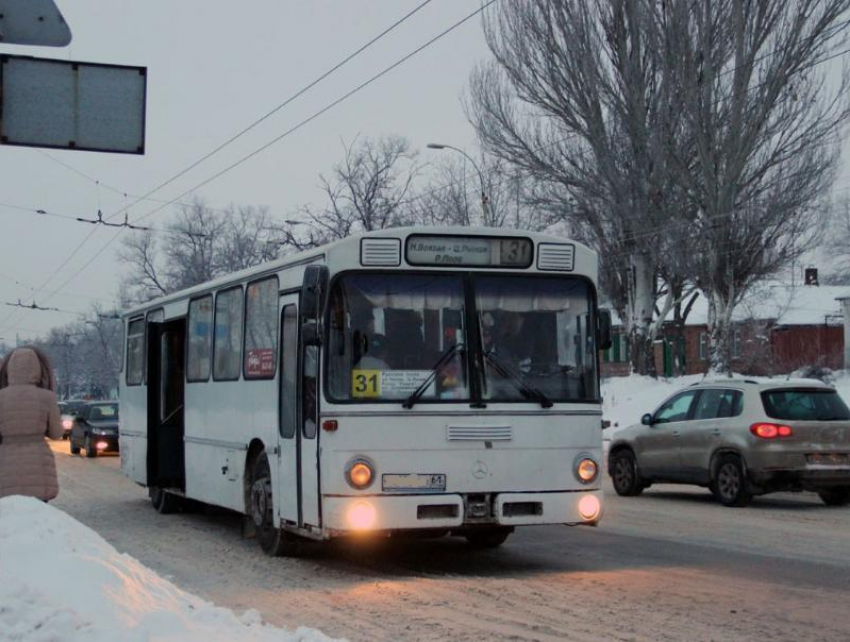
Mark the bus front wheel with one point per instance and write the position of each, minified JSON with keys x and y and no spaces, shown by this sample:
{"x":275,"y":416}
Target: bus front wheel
{"x":163,"y":502}
{"x":488,"y":537}
{"x":274,"y":541}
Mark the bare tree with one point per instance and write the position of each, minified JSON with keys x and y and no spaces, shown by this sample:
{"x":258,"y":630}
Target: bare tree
{"x":576,"y":99}
{"x":765,"y":129}
{"x":837,"y":243}
{"x":86,"y":355}
{"x":454,"y":196}
{"x":367,"y":191}
{"x":197,"y":245}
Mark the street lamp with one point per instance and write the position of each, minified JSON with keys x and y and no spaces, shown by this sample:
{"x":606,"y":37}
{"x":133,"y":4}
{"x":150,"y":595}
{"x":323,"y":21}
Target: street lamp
{"x":485,"y":207}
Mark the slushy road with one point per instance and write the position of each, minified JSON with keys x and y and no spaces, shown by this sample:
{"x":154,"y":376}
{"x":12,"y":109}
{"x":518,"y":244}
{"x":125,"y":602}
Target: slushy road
{"x":671,"y":564}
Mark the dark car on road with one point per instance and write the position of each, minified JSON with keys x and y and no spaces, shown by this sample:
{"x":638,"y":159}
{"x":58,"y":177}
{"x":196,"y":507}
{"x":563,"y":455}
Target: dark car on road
{"x":95,"y":429}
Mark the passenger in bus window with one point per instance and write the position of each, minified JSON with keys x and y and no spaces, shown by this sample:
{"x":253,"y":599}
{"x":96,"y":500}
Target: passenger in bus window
{"x":374,"y":350}
{"x":511,"y":344}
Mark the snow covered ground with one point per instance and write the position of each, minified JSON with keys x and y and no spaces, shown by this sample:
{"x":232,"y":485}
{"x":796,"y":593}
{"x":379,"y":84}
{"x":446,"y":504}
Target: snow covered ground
{"x":61,"y":582}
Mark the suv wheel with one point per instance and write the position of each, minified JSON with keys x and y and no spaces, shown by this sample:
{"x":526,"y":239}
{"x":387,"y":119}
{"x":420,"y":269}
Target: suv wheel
{"x":730,"y":483}
{"x":624,"y":474}
{"x":835,"y":496}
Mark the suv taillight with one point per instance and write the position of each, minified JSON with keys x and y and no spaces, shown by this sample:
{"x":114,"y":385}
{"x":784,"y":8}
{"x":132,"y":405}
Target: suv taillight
{"x":770,"y":431}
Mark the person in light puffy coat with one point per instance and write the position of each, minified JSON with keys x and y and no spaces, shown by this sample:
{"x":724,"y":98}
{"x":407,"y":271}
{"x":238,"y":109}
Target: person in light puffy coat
{"x":28,"y":412}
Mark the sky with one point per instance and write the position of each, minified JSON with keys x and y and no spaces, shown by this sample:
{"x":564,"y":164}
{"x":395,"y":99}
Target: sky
{"x":215,"y":66}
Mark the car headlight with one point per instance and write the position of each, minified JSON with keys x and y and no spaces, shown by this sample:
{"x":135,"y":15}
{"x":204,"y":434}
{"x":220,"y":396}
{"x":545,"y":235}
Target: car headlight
{"x":359,"y":473}
{"x":586,"y":470}
{"x":67,"y":424}
{"x":99,"y":431}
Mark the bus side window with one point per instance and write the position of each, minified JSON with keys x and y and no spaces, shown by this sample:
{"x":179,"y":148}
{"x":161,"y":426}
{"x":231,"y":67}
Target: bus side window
{"x":289,"y":373}
{"x":200,"y":339}
{"x":260,"y":358}
{"x":135,"y":346}
{"x":227,"y":347}
{"x":309,"y":390}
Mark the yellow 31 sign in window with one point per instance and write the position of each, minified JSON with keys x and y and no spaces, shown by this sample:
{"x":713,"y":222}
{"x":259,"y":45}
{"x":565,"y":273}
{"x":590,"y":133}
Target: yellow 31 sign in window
{"x":365,"y":383}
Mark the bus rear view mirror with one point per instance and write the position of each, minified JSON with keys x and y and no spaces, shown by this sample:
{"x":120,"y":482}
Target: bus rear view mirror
{"x":604,"y":329}
{"x":313,"y":289}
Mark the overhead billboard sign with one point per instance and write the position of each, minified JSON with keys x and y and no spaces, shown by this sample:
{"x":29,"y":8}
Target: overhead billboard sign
{"x":72,"y":105}
{"x":32,"y":22}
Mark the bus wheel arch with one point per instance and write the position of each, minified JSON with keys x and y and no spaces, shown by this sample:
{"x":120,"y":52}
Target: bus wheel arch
{"x":254,"y":449}
{"x":274,"y":541}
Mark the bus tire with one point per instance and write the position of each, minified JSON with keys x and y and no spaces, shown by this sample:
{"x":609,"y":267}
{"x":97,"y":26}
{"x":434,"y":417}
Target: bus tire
{"x":275,"y":542}
{"x":163,"y":502}
{"x":488,"y":537}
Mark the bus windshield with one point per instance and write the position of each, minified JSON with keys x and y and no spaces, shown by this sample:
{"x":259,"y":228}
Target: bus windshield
{"x":391,"y":335}
{"x":388,"y":333}
{"x":537,"y":335}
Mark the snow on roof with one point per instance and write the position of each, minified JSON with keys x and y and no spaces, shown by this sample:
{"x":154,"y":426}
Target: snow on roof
{"x":781,"y":303}
{"x":62,"y":581}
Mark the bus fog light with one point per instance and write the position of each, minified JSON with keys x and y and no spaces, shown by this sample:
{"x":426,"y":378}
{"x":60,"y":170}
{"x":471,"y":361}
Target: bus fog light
{"x":361,"y":516}
{"x":359,"y":474}
{"x":589,"y":507}
{"x":586,"y":470}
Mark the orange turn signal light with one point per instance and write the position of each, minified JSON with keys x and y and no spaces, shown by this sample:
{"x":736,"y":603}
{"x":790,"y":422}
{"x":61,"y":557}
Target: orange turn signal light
{"x":360,"y":474}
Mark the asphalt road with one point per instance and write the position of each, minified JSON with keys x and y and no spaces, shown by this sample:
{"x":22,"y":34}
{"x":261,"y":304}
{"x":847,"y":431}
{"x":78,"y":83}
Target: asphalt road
{"x":669,"y":565}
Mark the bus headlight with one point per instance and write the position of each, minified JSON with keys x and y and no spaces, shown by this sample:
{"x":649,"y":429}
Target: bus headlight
{"x":589,"y":507}
{"x":361,"y":516}
{"x":359,"y":473}
{"x":586,"y":470}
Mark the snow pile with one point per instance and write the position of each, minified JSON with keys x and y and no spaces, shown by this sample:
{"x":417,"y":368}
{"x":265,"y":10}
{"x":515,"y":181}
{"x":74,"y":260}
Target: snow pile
{"x":60,"y":581}
{"x":626,"y":399}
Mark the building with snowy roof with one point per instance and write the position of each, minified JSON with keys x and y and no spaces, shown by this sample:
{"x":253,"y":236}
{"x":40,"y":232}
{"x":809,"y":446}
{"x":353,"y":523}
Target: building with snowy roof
{"x":778,"y":329}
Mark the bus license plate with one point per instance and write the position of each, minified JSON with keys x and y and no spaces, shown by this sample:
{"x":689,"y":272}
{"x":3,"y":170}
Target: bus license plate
{"x":418,"y":482}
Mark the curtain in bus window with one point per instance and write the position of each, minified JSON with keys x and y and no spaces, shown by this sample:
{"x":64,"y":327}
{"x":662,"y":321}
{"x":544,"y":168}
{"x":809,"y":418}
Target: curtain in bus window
{"x":228,"y":334}
{"x":388,"y":331}
{"x":200,"y":335}
{"x":534,"y":330}
{"x":260,"y":360}
{"x":135,"y":354}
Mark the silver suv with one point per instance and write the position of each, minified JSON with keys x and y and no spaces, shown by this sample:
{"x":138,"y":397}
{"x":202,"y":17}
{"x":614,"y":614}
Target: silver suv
{"x":740,"y":438}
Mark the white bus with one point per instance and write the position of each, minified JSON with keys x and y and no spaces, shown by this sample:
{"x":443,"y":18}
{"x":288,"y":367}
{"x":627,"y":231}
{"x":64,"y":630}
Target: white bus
{"x":442,"y":380}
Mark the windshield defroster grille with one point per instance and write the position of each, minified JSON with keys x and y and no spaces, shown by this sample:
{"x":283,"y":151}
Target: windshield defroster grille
{"x":480,"y":433}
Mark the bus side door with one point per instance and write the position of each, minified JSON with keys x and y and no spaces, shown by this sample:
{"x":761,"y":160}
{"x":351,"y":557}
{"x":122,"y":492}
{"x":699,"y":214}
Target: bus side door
{"x":298,"y":415}
{"x":288,"y":488}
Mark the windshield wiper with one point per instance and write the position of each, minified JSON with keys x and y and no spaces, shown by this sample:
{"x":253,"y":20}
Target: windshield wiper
{"x":444,"y":358}
{"x":527,"y":391}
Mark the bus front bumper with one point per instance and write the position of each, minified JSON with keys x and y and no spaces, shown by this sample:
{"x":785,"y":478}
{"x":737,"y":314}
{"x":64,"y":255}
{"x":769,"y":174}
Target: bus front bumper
{"x":346,"y":515}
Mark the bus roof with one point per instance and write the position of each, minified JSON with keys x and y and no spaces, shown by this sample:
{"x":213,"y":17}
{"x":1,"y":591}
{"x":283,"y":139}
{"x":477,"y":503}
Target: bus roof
{"x":318,"y":253}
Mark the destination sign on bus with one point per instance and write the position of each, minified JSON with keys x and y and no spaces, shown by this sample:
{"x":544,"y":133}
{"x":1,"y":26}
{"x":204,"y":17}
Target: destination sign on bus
{"x":479,"y":251}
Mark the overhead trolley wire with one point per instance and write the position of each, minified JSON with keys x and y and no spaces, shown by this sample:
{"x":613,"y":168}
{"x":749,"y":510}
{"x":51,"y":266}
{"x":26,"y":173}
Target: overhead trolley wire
{"x":288,"y":132}
{"x":277,"y":108}
{"x":206,"y":156}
